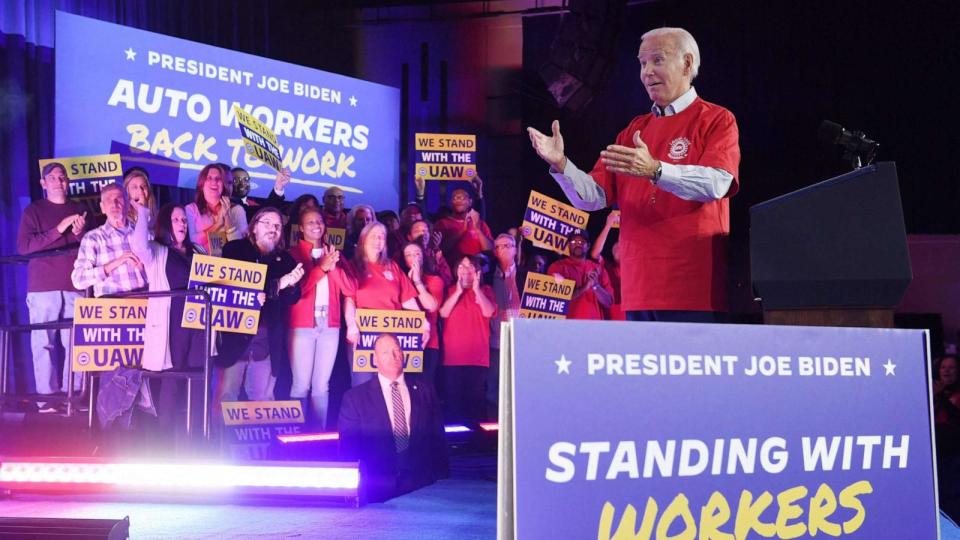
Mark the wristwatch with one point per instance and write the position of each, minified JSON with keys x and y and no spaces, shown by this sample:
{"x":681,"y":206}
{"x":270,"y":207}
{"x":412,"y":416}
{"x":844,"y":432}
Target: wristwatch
{"x":657,"y":174}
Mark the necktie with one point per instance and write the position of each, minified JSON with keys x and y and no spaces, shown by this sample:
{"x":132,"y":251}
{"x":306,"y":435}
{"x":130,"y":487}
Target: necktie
{"x":401,"y":435}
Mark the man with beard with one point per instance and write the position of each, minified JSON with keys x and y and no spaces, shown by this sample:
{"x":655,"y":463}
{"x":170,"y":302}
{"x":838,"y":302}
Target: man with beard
{"x":592,"y":287}
{"x":239,"y":190}
{"x":463,"y":232}
{"x":258,"y":361}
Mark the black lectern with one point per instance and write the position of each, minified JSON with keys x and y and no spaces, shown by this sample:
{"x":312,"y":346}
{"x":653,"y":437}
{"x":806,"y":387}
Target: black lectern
{"x":834,"y":253}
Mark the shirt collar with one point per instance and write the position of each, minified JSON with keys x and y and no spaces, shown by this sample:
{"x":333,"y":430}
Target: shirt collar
{"x":385,"y":382}
{"x":110,"y":229}
{"x":509,"y":272}
{"x":678,"y":104}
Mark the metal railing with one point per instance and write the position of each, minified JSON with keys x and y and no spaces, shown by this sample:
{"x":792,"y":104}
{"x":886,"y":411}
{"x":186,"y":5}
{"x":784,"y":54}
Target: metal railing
{"x":7,"y":330}
{"x":207,"y":338}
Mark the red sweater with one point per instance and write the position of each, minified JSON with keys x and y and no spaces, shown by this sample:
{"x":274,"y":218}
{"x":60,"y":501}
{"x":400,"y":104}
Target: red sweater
{"x":673,"y":251}
{"x":301,"y":313}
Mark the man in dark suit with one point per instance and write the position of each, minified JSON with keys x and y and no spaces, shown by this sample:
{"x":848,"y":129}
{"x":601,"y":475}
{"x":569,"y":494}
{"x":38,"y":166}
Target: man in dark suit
{"x":393,"y":427}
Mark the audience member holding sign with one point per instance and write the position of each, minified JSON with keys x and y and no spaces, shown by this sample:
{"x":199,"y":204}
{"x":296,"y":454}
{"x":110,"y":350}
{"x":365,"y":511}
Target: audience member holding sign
{"x":466,"y":341}
{"x":671,"y":171}
{"x":420,"y":268}
{"x":255,"y":361}
{"x":240,"y":191}
{"x":463,"y":232}
{"x":166,"y":260}
{"x":377,"y":282}
{"x":593,"y":290}
{"x":610,"y":263}
{"x":315,"y":318}
{"x":210,"y":219}
{"x":48,"y":224}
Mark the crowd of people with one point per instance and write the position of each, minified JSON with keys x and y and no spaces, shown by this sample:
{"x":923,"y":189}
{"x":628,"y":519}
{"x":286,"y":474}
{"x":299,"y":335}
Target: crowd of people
{"x":389,"y":260}
{"x":672,"y":186}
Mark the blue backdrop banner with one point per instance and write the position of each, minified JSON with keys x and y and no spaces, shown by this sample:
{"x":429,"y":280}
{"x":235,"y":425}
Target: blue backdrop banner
{"x":683,"y":431}
{"x":175,"y":98}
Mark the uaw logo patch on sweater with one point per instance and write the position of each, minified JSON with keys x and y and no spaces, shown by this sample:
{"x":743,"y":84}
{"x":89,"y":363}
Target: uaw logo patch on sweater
{"x":679,"y":148}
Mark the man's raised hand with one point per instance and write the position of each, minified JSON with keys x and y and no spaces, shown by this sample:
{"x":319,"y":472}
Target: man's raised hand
{"x":549,"y":148}
{"x":632,"y":161}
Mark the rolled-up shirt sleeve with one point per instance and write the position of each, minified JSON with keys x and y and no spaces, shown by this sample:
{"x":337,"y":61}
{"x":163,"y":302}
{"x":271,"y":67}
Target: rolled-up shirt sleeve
{"x":580,"y":188}
{"x":695,"y":182}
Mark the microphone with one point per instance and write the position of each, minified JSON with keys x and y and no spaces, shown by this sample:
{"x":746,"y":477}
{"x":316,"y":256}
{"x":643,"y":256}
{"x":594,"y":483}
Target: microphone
{"x":856,"y":146}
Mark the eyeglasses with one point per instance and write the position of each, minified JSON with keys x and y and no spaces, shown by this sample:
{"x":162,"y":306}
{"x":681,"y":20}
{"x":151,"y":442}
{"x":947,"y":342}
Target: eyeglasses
{"x":578,"y":241}
{"x":504,"y":246}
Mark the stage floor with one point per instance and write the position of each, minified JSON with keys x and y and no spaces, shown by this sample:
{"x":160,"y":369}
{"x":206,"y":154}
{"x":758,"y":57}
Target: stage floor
{"x":462,"y":506}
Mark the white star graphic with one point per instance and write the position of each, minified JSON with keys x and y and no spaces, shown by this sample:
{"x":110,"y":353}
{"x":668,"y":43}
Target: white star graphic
{"x":889,"y":367}
{"x":353,"y":101}
{"x":563,"y":365}
{"x":131,"y":54}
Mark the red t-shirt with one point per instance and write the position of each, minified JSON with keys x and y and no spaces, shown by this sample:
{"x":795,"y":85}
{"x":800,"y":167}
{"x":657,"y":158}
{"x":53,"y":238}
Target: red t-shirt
{"x":615,"y":311}
{"x":586,"y":305}
{"x":469,"y":243}
{"x":466,"y":332}
{"x":386,"y":287}
{"x":337,"y":221}
{"x":434,"y":285}
{"x":673,"y":252}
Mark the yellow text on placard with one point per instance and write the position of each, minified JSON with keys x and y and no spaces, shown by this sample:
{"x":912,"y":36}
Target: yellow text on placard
{"x":409,"y":327}
{"x":108,"y":333}
{"x":547,"y":222}
{"x":252,"y":413}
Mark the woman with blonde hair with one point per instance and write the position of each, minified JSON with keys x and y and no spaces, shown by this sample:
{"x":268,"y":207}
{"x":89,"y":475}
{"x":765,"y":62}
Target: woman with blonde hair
{"x":136,"y":183}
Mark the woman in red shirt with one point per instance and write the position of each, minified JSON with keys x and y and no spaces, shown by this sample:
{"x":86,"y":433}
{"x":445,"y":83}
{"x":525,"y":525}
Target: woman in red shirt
{"x":376,"y":282}
{"x":419,"y":268}
{"x":466,"y":341}
{"x":315,"y":318}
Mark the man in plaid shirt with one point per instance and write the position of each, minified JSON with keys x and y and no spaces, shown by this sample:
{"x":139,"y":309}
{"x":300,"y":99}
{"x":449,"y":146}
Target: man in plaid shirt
{"x":105,"y":260}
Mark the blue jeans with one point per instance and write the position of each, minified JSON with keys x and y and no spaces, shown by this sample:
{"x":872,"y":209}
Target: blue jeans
{"x":313,"y":352}
{"x":49,"y":306}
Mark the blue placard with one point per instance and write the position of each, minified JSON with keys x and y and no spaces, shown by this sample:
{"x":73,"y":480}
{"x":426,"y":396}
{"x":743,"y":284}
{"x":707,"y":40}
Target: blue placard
{"x":654,"y":430}
{"x":175,"y":98}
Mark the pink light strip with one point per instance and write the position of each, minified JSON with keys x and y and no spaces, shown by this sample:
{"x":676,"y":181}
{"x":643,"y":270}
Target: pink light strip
{"x":184,"y":477}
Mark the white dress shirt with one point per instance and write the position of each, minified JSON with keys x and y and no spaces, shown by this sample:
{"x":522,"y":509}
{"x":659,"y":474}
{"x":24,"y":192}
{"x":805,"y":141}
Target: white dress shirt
{"x":388,"y":399}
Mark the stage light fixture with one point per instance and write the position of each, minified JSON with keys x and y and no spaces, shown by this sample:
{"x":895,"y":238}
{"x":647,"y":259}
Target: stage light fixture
{"x":267,"y":477}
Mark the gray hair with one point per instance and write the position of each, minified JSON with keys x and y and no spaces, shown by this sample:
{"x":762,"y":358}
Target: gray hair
{"x":353,"y":213}
{"x":685,"y":44}
{"x":508,"y":237}
{"x":111,"y":187}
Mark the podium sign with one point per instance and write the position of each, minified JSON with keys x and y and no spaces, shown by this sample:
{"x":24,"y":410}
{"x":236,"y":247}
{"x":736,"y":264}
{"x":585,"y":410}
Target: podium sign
{"x":662,"y":430}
